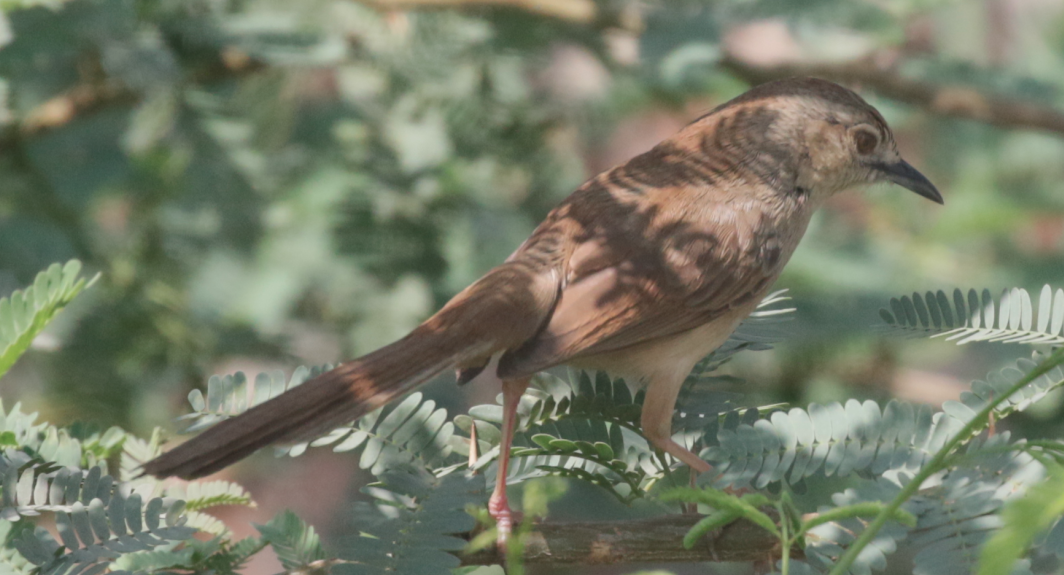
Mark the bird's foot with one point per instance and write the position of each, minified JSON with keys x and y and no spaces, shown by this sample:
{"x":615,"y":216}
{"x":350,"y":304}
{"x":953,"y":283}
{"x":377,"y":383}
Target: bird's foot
{"x":505,"y":519}
{"x":710,"y":540}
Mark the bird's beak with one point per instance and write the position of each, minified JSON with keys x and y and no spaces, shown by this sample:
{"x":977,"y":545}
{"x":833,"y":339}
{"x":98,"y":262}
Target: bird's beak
{"x":906,"y":176}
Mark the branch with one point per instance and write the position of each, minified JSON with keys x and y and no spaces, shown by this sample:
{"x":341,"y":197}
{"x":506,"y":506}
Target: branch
{"x":656,"y":540}
{"x":94,"y":94}
{"x":948,"y":100}
{"x":574,"y":11}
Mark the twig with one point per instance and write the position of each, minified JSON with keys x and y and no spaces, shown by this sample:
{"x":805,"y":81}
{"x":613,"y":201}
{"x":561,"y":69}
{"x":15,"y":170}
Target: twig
{"x":575,"y":11}
{"x":946,"y":99}
{"x":94,"y":94}
{"x":657,"y":540}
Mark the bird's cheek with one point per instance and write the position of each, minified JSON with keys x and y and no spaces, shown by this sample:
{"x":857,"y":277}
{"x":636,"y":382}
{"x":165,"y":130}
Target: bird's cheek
{"x":827,"y":149}
{"x":820,"y":176}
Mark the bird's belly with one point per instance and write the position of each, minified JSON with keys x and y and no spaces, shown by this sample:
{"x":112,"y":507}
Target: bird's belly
{"x":672,"y":356}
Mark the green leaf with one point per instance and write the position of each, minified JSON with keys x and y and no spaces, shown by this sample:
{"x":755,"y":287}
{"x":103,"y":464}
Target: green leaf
{"x":201,"y":495}
{"x":745,"y":506}
{"x":871,"y":508}
{"x":1023,"y":519}
{"x":563,"y":445}
{"x":296,"y":543}
{"x":1018,"y":321}
{"x":708,"y":523}
{"x":543,"y":440}
{"x":25,"y":313}
{"x":8,"y":439}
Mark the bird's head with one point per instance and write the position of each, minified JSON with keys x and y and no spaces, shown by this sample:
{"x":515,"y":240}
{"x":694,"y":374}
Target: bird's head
{"x":831,"y":137}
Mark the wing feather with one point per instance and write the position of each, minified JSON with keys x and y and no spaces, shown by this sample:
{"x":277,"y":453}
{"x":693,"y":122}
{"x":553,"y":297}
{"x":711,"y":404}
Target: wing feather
{"x":622,"y":294}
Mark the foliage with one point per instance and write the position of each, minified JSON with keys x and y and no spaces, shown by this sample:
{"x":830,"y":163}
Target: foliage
{"x":305,"y":181}
{"x":1017,"y":321}
{"x":940,"y":481}
{"x":119,"y":523}
{"x":936,"y":487}
{"x":415,"y":526}
{"x":126,"y":522}
{"x":940,"y":484}
{"x":1024,"y":518}
{"x":859,"y":437}
{"x":25,"y":313}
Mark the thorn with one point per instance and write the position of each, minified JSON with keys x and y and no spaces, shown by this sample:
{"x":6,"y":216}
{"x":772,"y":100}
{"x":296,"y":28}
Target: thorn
{"x":473,"y":446}
{"x":691,"y":508}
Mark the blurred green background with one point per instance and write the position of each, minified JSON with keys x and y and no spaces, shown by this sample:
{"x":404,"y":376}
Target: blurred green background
{"x":265,"y":184}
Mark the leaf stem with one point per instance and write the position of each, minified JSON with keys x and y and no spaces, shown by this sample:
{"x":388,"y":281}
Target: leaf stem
{"x":785,"y":538}
{"x":1054,"y":448}
{"x":936,"y":463}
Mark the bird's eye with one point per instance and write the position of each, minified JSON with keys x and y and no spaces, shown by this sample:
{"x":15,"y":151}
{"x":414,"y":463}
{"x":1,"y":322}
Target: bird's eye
{"x":865,"y":141}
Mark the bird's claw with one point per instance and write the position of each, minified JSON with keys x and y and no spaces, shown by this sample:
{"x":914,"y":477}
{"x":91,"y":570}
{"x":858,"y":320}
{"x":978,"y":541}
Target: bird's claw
{"x":505,"y":519}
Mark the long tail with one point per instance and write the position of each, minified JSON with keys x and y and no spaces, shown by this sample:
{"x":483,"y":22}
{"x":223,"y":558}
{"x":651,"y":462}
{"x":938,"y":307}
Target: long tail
{"x":498,"y":312}
{"x":328,"y":401}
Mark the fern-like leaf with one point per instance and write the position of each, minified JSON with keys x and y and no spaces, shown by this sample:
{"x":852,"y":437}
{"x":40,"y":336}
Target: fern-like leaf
{"x":227,"y":559}
{"x":423,"y":514}
{"x":46,"y":442}
{"x":297,"y":544}
{"x":825,"y":543}
{"x":998,"y":382}
{"x":413,"y":431}
{"x":228,"y":395}
{"x":96,"y":521}
{"x":135,"y":453}
{"x":11,"y":561}
{"x":832,"y":439}
{"x":838,"y":439}
{"x":202,"y":495}
{"x":152,"y":561}
{"x":26,"y":312}
{"x":1014,"y":319}
{"x":586,"y":430}
{"x":955,"y":514}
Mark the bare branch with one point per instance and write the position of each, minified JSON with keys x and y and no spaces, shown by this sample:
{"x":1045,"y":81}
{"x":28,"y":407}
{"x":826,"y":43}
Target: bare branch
{"x":98,"y":92}
{"x":949,"y":100}
{"x":657,"y":540}
{"x":575,"y":11}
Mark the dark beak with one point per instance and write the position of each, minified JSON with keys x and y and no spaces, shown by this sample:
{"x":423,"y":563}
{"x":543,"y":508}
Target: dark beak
{"x":906,"y":176}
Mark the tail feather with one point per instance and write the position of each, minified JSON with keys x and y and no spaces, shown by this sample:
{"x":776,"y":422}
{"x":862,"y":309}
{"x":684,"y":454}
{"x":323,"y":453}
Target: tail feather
{"x":498,"y":312}
{"x":317,"y":406}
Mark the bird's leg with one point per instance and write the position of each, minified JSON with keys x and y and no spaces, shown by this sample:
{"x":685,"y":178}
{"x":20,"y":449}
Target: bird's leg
{"x":498,"y":506}
{"x":657,"y":422}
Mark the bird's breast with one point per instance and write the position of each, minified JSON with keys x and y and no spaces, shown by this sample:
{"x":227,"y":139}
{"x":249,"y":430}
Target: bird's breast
{"x":670,"y":357}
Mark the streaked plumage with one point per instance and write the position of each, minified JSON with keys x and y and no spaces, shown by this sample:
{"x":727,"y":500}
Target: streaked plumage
{"x":641,"y":272}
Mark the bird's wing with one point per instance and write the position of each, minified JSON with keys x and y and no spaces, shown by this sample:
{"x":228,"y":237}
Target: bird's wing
{"x":638,"y":273}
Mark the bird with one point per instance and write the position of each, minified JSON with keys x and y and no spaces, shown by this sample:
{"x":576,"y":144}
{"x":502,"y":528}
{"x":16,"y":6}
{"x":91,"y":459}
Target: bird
{"x":641,"y":272}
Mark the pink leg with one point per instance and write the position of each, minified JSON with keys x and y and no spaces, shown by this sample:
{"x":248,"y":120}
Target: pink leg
{"x":498,"y":506}
{"x":657,"y":421}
